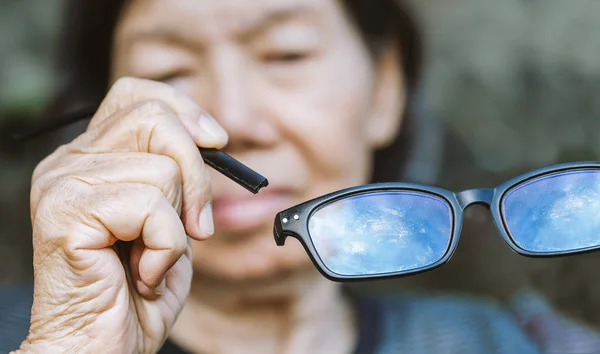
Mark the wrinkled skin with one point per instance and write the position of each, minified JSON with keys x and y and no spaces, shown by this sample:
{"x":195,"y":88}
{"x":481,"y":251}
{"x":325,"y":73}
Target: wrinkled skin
{"x":303,"y":103}
{"x":122,"y":180}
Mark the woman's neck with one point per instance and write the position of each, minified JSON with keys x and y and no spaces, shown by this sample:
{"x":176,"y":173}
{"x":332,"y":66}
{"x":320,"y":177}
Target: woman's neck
{"x":296,"y":314}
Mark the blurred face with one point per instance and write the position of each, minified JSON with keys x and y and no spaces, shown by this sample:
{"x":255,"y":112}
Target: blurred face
{"x":302,"y":99}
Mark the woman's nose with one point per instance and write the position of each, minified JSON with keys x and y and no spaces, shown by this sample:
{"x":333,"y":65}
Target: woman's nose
{"x":229,"y":101}
{"x":235,"y":103}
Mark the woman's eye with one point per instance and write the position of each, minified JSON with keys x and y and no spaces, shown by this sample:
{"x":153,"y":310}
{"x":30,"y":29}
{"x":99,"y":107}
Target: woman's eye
{"x":170,"y":77}
{"x":176,"y":79}
{"x":286,"y":57}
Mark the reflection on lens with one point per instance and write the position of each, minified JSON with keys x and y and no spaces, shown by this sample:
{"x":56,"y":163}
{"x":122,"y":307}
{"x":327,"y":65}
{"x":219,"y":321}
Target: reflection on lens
{"x":555,"y":213}
{"x":382,"y":232}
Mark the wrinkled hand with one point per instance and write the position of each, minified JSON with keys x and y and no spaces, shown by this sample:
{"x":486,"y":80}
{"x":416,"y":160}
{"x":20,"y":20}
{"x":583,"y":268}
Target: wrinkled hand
{"x":111,"y":215}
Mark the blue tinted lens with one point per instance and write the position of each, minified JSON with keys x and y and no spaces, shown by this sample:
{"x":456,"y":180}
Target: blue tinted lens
{"x":382,"y":232}
{"x":555,"y":213}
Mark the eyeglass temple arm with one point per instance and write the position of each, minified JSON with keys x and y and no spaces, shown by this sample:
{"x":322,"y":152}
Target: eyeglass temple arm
{"x":54,"y":124}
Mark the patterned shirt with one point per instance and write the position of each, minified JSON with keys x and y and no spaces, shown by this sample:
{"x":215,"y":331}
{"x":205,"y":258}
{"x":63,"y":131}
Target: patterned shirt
{"x":409,"y":323}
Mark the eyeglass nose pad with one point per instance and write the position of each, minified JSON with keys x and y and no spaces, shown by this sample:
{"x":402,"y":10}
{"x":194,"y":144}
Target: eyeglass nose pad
{"x":475,"y":196}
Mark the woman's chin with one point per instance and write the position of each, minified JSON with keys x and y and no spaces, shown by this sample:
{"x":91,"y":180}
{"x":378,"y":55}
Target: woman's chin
{"x":252,"y":259}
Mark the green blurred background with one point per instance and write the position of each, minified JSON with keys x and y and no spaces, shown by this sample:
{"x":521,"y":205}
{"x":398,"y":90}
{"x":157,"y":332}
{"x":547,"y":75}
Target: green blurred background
{"x":515,"y":83}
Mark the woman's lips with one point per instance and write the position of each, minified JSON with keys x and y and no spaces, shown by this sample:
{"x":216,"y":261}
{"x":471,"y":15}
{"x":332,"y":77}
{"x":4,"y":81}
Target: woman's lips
{"x":239,"y":213}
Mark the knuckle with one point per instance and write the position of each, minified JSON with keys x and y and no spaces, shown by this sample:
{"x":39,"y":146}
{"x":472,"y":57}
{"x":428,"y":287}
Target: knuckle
{"x":56,"y":178}
{"x":179,"y":245}
{"x":58,"y":211}
{"x":153,"y":195}
{"x":206,"y":183}
{"x":155,"y":108}
{"x":47,"y":206}
{"x":38,"y":172}
{"x":50,"y":183}
{"x":45,"y":223}
{"x":152,"y":119}
{"x":130,"y":85}
{"x":48,"y":163}
{"x":147,"y":116}
{"x":125,"y":84}
{"x":64,"y":186}
{"x":169,"y":169}
{"x":39,"y":188}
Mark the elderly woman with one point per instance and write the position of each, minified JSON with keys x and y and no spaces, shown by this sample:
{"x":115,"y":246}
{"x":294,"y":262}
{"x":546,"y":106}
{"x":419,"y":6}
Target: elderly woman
{"x":140,"y":248}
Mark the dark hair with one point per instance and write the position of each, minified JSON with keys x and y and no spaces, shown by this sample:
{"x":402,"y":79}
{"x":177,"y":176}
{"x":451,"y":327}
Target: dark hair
{"x":85,"y":56}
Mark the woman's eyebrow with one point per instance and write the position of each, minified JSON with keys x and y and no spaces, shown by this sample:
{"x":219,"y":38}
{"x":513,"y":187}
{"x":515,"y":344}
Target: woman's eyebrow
{"x":275,"y":17}
{"x":155,"y":33}
{"x":244,"y":31}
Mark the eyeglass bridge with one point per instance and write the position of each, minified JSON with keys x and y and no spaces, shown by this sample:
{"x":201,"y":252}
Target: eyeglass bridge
{"x":475,"y":196}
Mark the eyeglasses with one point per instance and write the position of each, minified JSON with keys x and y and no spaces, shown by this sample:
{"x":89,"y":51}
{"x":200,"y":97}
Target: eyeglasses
{"x":392,"y":229}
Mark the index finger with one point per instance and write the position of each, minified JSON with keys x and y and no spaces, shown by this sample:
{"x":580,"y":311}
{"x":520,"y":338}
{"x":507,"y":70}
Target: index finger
{"x":127,"y":91}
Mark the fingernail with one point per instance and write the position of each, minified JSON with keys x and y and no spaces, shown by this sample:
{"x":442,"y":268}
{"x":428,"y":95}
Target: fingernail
{"x":212,"y":128}
{"x":161,"y":288}
{"x":206,"y":220}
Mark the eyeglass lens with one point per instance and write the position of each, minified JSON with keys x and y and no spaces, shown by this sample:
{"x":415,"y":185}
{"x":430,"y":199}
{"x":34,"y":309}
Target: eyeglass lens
{"x":554,"y":213}
{"x":382,"y":232}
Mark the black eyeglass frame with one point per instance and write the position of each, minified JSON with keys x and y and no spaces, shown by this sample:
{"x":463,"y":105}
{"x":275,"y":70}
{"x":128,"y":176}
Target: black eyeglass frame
{"x":293,"y":222}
